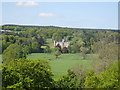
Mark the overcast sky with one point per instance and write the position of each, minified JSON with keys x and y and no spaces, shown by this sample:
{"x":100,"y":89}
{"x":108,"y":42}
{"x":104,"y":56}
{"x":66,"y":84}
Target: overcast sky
{"x":68,"y":14}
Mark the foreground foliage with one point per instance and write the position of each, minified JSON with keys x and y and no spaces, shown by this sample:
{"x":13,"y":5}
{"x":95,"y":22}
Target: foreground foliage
{"x":25,"y":74}
{"x":107,"y":79}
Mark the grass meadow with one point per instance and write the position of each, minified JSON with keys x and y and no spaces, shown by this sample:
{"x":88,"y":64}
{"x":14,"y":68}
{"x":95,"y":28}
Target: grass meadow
{"x":61,"y":65}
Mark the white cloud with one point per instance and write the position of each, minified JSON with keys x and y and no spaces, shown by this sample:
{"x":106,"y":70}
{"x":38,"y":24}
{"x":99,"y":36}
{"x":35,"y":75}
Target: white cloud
{"x":27,"y":3}
{"x":46,"y":14}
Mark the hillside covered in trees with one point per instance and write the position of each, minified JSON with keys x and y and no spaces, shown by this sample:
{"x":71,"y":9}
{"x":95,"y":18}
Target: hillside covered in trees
{"x":18,"y":41}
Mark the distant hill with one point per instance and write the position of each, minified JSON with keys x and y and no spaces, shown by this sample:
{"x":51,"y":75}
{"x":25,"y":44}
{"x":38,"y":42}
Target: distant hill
{"x":22,"y":27}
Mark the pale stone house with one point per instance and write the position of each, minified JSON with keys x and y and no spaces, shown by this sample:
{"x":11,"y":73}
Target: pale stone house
{"x":62,"y":44}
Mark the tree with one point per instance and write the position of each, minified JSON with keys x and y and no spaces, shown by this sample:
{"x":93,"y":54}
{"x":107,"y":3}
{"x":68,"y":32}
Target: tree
{"x":47,"y":49}
{"x":27,"y":74}
{"x":64,"y":50}
{"x":57,"y":52}
{"x":83,"y":52}
{"x":68,"y":81}
{"x":75,"y":48}
{"x":80,"y":73}
{"x":35,"y":47}
{"x":110,"y":77}
{"x":106,"y":79}
{"x":0,"y":47}
{"x":57,"y":36}
{"x":69,"y":49}
{"x":13,"y":51}
{"x":92,"y":80}
{"x":106,"y":54}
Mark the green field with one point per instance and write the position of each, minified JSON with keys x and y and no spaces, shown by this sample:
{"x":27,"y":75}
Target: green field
{"x":63,"y":63}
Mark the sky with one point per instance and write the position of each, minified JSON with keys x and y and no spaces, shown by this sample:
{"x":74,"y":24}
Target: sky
{"x":99,"y":15}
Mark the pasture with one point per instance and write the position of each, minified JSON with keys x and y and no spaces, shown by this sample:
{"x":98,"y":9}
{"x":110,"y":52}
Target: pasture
{"x":61,"y":65}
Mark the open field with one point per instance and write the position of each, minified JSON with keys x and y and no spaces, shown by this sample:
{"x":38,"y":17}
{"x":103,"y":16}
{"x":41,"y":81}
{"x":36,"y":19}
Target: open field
{"x":63,"y":63}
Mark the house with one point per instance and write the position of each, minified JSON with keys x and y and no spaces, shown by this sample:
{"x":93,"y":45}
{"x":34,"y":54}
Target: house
{"x":5,"y":31}
{"x":61,"y":44}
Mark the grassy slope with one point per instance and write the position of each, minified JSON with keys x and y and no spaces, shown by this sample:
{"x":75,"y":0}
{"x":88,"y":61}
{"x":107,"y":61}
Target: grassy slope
{"x":63,"y":63}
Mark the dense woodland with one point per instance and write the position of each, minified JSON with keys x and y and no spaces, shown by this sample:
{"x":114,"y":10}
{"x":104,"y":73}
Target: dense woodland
{"x":20,"y":72}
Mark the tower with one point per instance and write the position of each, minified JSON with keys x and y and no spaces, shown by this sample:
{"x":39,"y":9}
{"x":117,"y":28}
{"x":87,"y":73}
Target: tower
{"x":62,"y":45}
{"x":54,"y":43}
